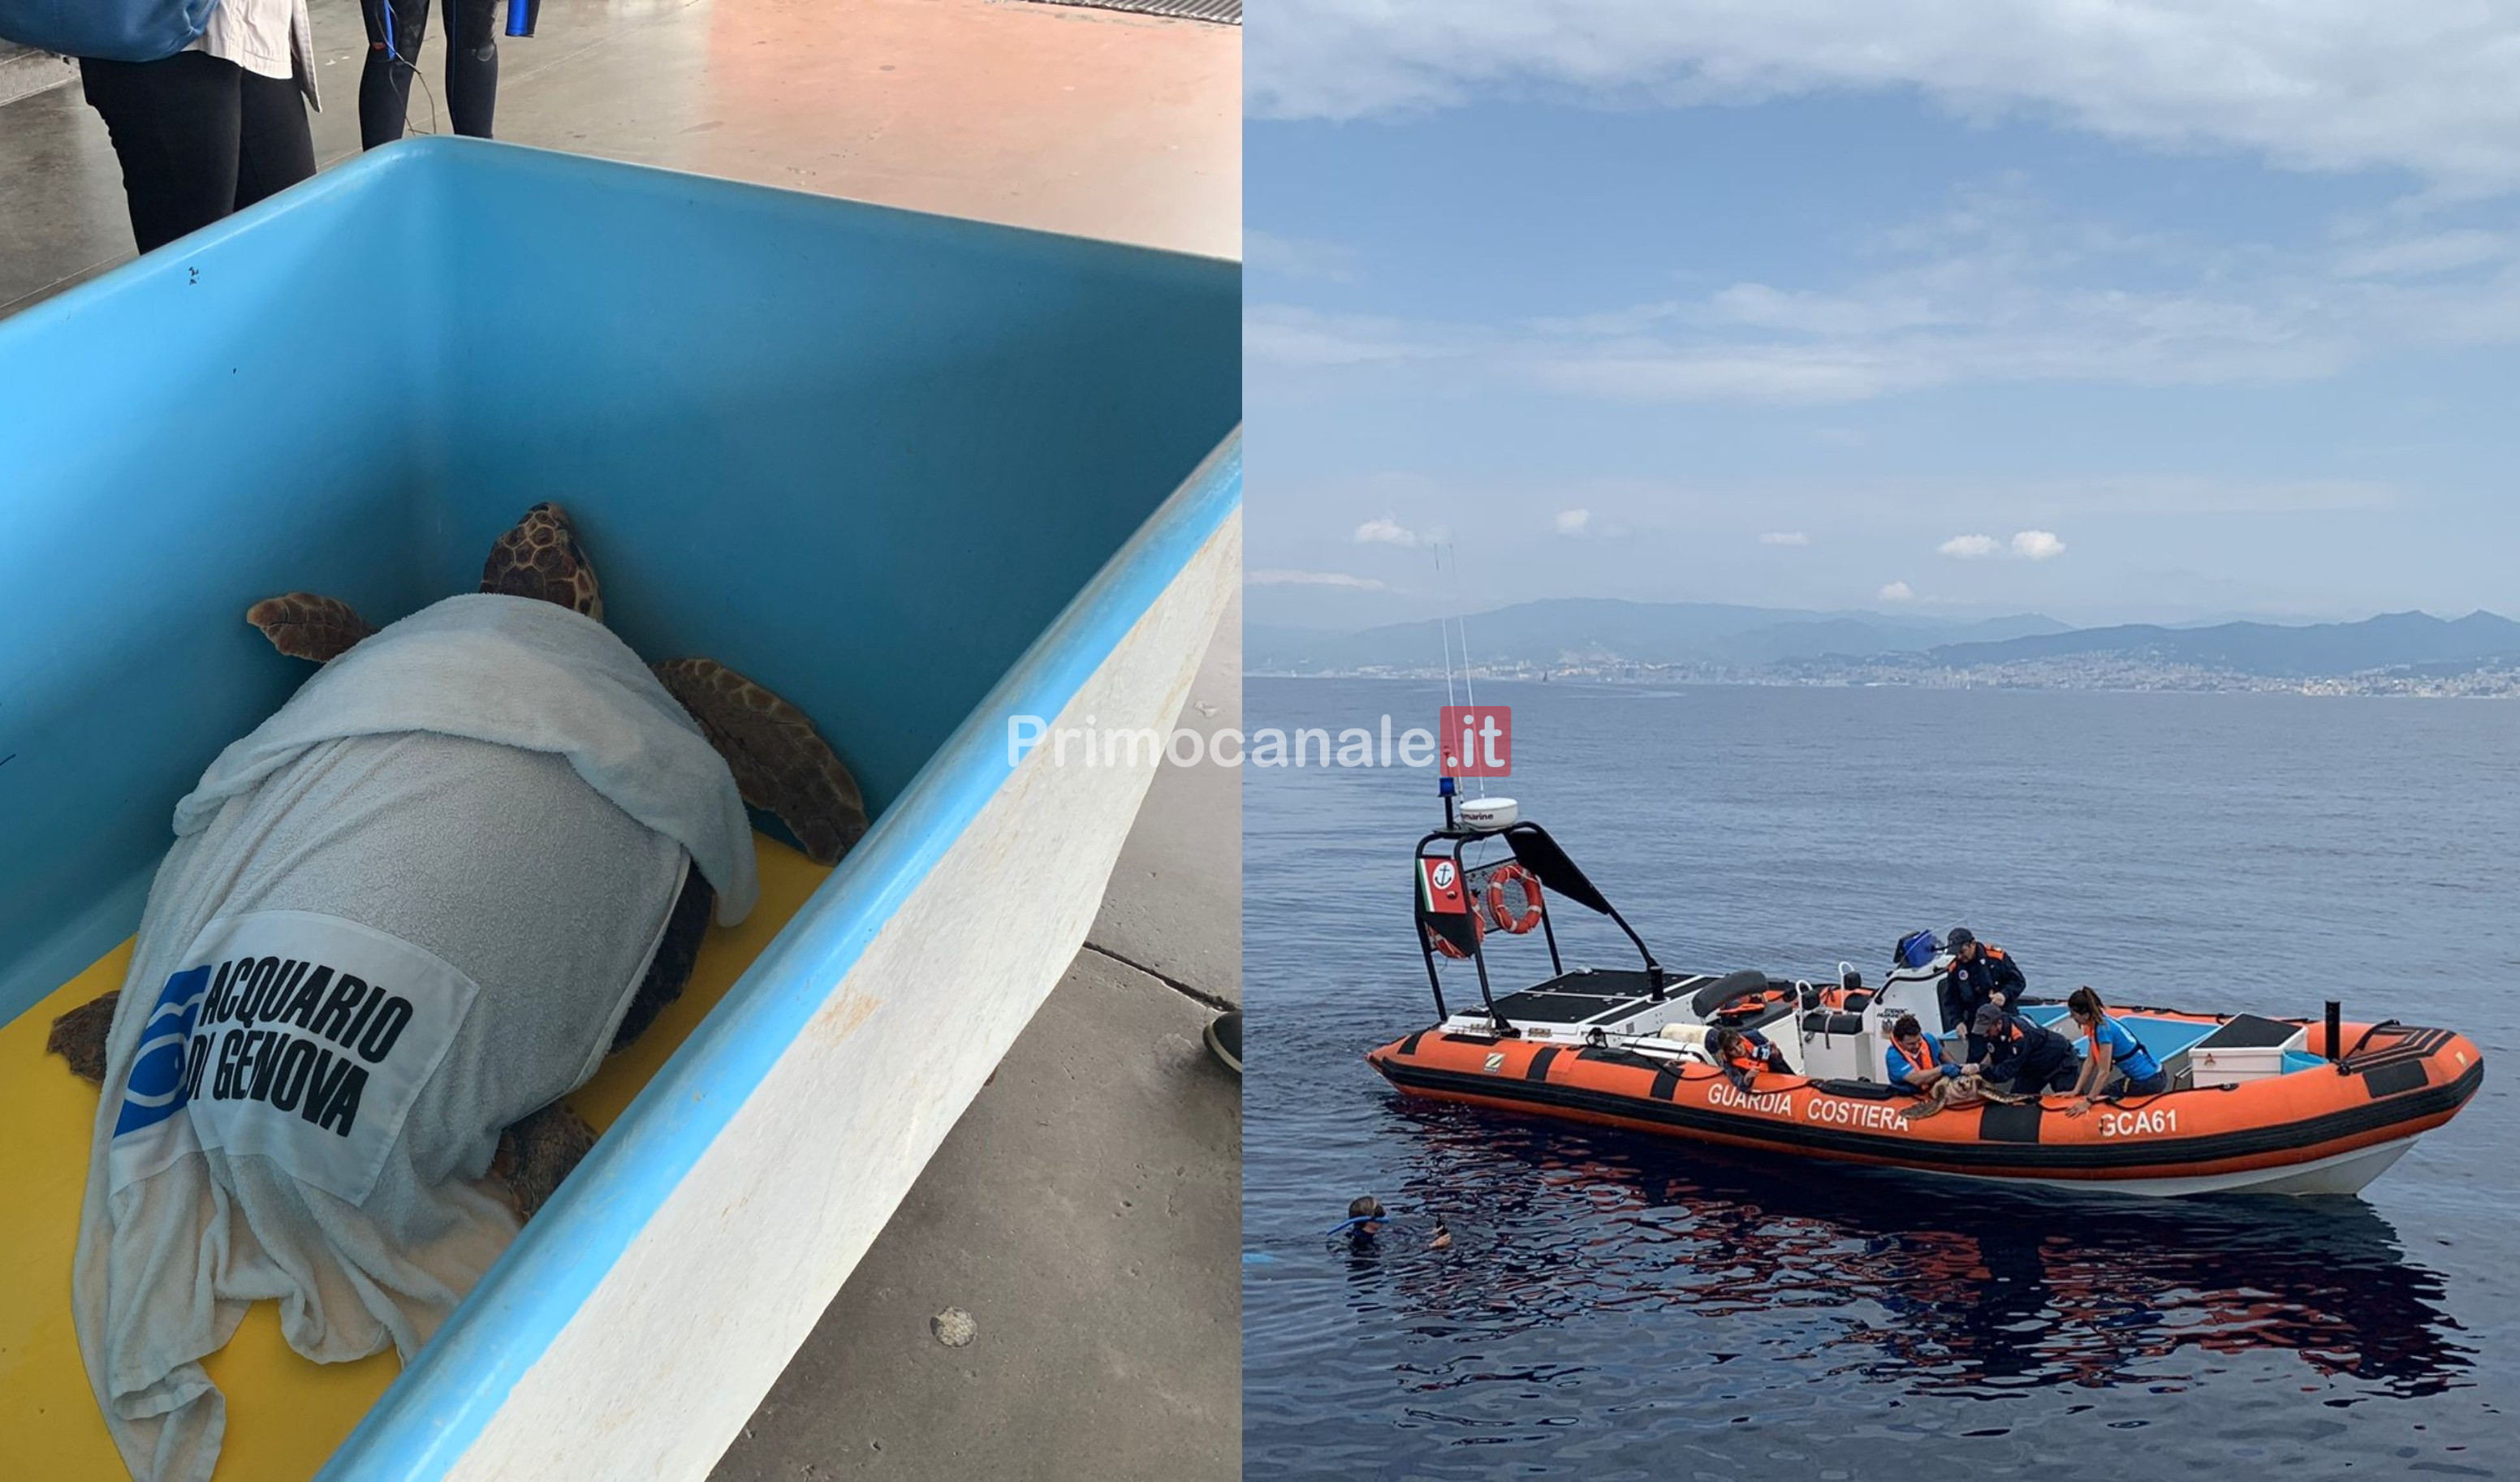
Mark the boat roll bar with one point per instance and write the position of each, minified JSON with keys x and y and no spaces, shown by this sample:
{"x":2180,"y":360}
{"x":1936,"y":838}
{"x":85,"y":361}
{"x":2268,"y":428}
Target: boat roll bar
{"x":1550,"y":863}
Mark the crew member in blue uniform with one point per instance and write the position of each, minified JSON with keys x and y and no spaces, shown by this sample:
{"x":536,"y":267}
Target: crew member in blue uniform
{"x":2117,"y":1062}
{"x":1980,"y":973}
{"x":1915,"y":1060}
{"x":2036,"y":1059}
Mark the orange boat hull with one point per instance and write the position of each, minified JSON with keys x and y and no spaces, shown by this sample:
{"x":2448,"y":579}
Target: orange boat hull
{"x":2322,"y":1130}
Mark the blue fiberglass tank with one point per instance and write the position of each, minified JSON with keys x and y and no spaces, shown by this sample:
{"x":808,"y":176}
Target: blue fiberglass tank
{"x":915,"y":474}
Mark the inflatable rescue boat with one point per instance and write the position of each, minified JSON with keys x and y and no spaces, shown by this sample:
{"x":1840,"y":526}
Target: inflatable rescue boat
{"x":2300,"y":1107}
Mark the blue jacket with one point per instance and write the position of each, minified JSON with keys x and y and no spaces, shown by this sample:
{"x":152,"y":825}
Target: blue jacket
{"x":2126,"y":1055}
{"x":1896,"y":1064}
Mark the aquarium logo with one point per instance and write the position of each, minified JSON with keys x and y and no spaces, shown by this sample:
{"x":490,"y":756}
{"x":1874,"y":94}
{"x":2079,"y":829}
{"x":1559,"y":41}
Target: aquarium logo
{"x":162,"y":1069}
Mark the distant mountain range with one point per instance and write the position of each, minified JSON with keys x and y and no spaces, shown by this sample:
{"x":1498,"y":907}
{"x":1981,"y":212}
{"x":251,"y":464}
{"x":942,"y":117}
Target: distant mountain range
{"x":1574,"y":632}
{"x":2389,"y":641}
{"x":1713,"y":639}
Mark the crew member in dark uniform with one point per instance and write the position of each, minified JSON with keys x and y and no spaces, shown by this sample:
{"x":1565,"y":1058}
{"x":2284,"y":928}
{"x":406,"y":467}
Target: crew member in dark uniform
{"x":2037,"y":1060}
{"x":1981,"y":973}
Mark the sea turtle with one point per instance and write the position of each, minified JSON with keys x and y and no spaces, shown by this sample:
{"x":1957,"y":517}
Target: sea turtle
{"x":780,"y":765}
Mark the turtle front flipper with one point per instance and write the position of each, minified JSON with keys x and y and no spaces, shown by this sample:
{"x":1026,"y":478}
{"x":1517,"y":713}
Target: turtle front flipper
{"x":541,"y":558}
{"x":79,"y":1037}
{"x":780,"y":765}
{"x":303,"y":625}
{"x":538,"y":1151}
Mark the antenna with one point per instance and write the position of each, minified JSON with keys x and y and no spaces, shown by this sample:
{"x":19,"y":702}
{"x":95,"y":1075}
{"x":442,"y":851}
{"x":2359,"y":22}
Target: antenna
{"x":1444,"y":784}
{"x":1445,"y":629}
{"x":1461,"y":619}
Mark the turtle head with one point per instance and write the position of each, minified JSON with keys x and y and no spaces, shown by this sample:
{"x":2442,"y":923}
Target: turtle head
{"x":541,"y":557}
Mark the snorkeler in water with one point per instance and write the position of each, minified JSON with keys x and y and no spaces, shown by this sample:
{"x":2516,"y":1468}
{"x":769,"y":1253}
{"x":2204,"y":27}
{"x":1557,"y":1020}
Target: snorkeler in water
{"x":1367,"y":1219}
{"x":1364,"y":1219}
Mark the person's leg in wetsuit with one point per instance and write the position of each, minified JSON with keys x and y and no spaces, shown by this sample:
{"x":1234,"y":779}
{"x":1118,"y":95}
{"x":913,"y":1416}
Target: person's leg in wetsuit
{"x":471,"y":65}
{"x":394,"y":52}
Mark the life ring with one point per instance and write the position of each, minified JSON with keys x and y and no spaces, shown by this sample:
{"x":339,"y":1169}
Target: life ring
{"x":1510,"y":921}
{"x":1444,"y":944}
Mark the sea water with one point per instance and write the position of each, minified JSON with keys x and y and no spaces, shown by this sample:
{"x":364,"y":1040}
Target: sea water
{"x":1615,"y":1306}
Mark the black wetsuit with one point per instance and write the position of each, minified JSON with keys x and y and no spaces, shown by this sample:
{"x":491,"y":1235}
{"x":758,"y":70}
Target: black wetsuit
{"x":472,"y":66}
{"x":2032,"y":1057}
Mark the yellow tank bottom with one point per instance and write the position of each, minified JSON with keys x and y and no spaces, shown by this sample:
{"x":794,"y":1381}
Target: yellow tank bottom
{"x":285,"y":1413}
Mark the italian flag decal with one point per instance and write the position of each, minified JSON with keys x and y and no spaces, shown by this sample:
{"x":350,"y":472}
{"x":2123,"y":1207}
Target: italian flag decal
{"x":1439,"y":888}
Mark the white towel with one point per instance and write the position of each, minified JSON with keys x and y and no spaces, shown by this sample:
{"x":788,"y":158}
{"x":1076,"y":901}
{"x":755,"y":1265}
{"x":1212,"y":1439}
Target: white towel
{"x":526,"y":673}
{"x":406,"y":911}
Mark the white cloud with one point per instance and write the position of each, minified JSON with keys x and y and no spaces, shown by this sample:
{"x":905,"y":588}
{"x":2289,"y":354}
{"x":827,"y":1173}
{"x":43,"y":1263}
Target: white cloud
{"x":2186,"y":494}
{"x":1785,"y":538}
{"x":2424,"y":254}
{"x":1283,"y":336}
{"x":1574,"y":521}
{"x":2312,"y":84}
{"x":1286,"y":579}
{"x":1994,"y":287}
{"x":1897,"y":590}
{"x":1970,"y":499}
{"x":1649,"y":372}
{"x":1756,"y":305}
{"x":1386,"y":531}
{"x":2035,"y":545}
{"x":1297,"y":257}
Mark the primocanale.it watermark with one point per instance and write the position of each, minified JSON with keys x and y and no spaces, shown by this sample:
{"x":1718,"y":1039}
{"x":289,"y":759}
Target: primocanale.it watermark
{"x":1469,"y":741}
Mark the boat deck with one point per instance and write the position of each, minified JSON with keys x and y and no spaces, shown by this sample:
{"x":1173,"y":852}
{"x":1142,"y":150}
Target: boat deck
{"x":1592,"y":996}
{"x":2164,"y":1037}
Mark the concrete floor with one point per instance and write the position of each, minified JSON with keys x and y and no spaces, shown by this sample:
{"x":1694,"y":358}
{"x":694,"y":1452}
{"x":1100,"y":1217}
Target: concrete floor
{"x":1095,"y":122}
{"x":1086,"y":1212}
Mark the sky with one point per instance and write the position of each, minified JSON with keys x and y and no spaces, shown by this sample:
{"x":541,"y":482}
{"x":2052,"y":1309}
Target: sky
{"x":2134,"y":311}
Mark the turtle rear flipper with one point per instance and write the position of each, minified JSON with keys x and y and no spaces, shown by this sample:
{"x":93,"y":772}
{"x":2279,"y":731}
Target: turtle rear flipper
{"x":780,"y":765}
{"x":304,"y":625}
{"x":539,"y":1151}
{"x":670,"y":969}
{"x":79,"y":1036}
